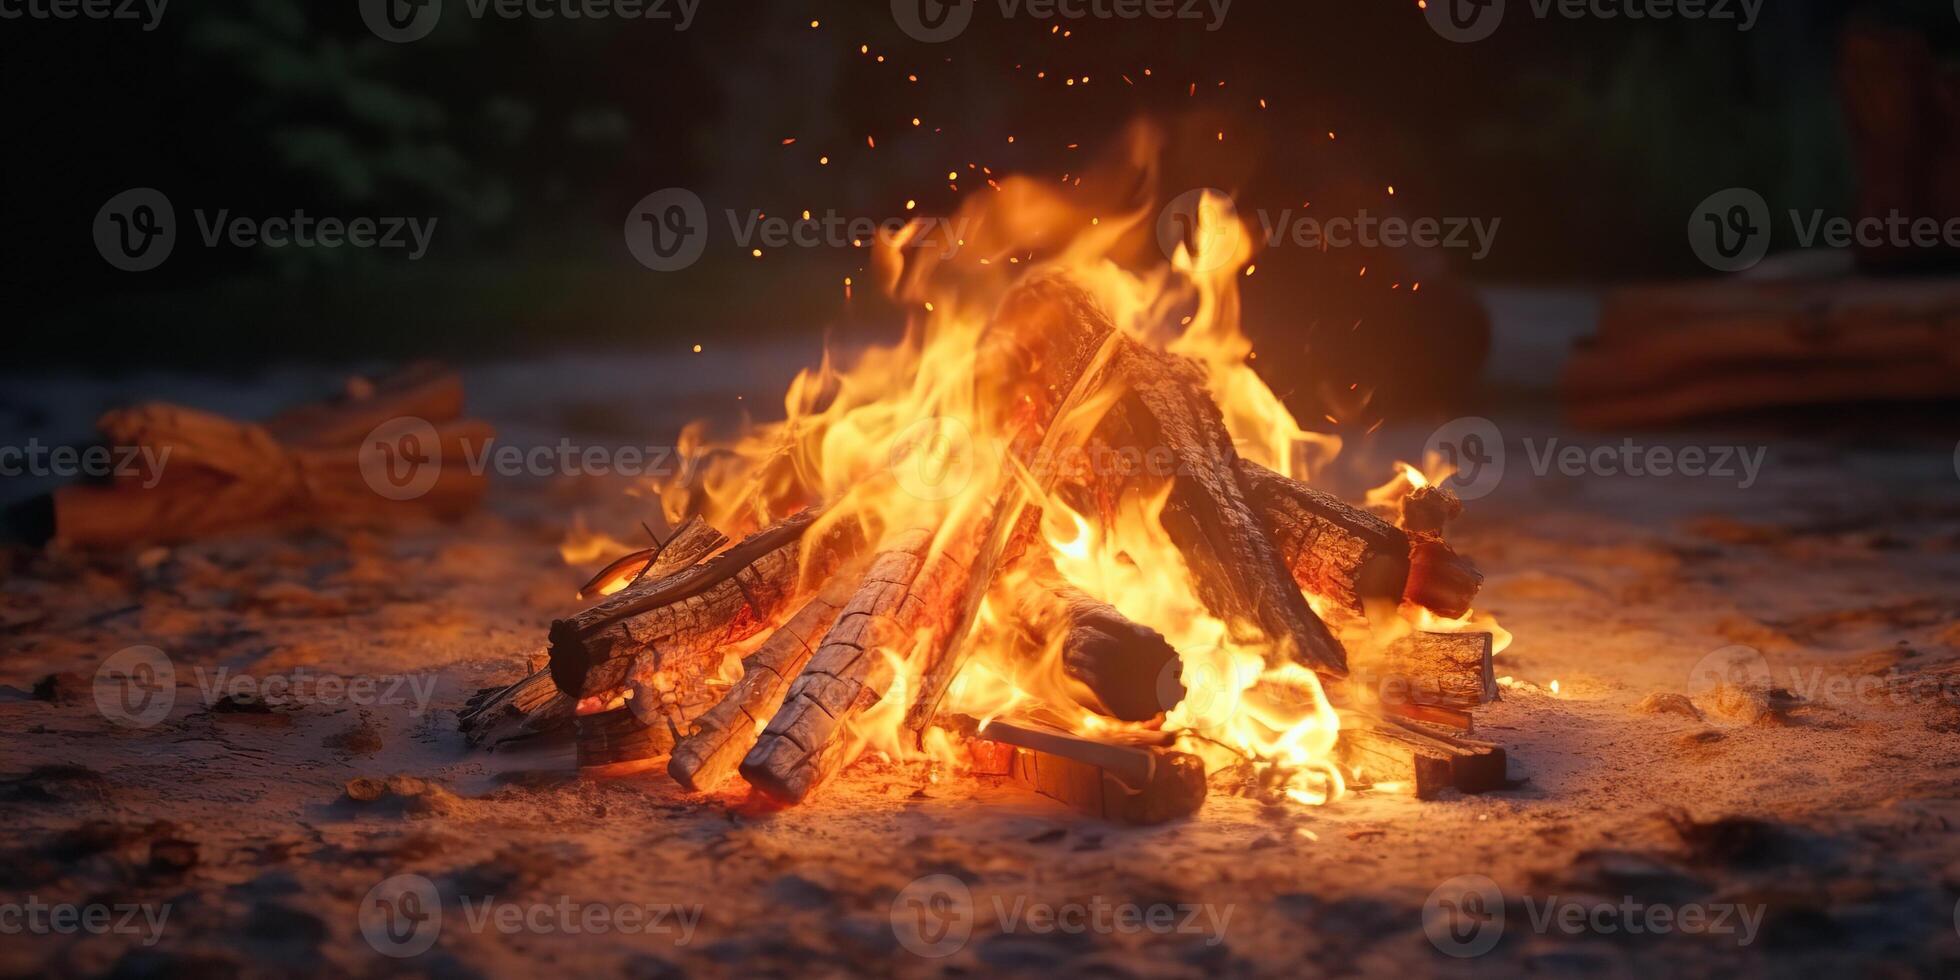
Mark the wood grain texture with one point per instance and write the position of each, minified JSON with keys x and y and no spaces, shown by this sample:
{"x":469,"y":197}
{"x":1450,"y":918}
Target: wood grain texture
{"x":1333,"y":549}
{"x":726,"y":732}
{"x":1237,"y":570}
{"x":680,"y":621}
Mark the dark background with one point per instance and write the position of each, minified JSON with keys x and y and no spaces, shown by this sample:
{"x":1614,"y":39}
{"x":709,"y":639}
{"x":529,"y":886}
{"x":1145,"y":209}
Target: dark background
{"x":529,"y":140}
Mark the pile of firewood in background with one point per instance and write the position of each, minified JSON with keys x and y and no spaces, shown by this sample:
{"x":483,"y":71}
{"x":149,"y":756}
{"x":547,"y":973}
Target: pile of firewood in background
{"x":1664,"y":354}
{"x":637,"y":675}
{"x":308,"y":466}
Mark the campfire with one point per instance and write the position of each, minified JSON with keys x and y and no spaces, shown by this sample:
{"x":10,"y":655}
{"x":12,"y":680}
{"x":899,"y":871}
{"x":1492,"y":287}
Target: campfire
{"x":1061,"y":533}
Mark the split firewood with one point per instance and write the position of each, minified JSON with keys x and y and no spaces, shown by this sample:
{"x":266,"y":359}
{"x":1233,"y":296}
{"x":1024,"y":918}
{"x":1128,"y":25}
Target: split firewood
{"x":1427,"y":760}
{"x":725,"y":733}
{"x":1336,"y":551}
{"x":1438,"y":678}
{"x":1113,"y":664}
{"x":424,"y":391}
{"x":1132,"y":779}
{"x":677,"y":624}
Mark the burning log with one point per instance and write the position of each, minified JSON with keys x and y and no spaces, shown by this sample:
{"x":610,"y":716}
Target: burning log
{"x":1049,"y":348}
{"x":1114,"y":662}
{"x":692,"y":541}
{"x":677,"y":624}
{"x":1440,"y":580}
{"x":1334,"y":550}
{"x":1138,"y":780}
{"x":722,"y":736}
{"x":535,"y":705}
{"x":1239,"y":573}
{"x":1427,"y":760}
{"x":907,"y":587}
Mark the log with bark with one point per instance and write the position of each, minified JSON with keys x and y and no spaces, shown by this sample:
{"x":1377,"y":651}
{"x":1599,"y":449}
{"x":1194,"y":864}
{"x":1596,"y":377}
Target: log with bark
{"x":1337,"y":551}
{"x":1048,"y":346}
{"x":535,"y":706}
{"x":1112,"y":664}
{"x":677,"y":624}
{"x":1235,"y":564}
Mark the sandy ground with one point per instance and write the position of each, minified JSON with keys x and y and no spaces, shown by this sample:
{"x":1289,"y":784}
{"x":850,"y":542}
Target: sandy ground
{"x":1814,"y":840}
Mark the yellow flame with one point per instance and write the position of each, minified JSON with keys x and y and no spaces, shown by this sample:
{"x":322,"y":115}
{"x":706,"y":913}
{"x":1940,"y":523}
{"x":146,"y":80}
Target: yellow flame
{"x":914,"y":435}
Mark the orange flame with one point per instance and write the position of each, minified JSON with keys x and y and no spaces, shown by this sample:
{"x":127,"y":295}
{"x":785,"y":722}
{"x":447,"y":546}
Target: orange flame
{"x":907,"y":436}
